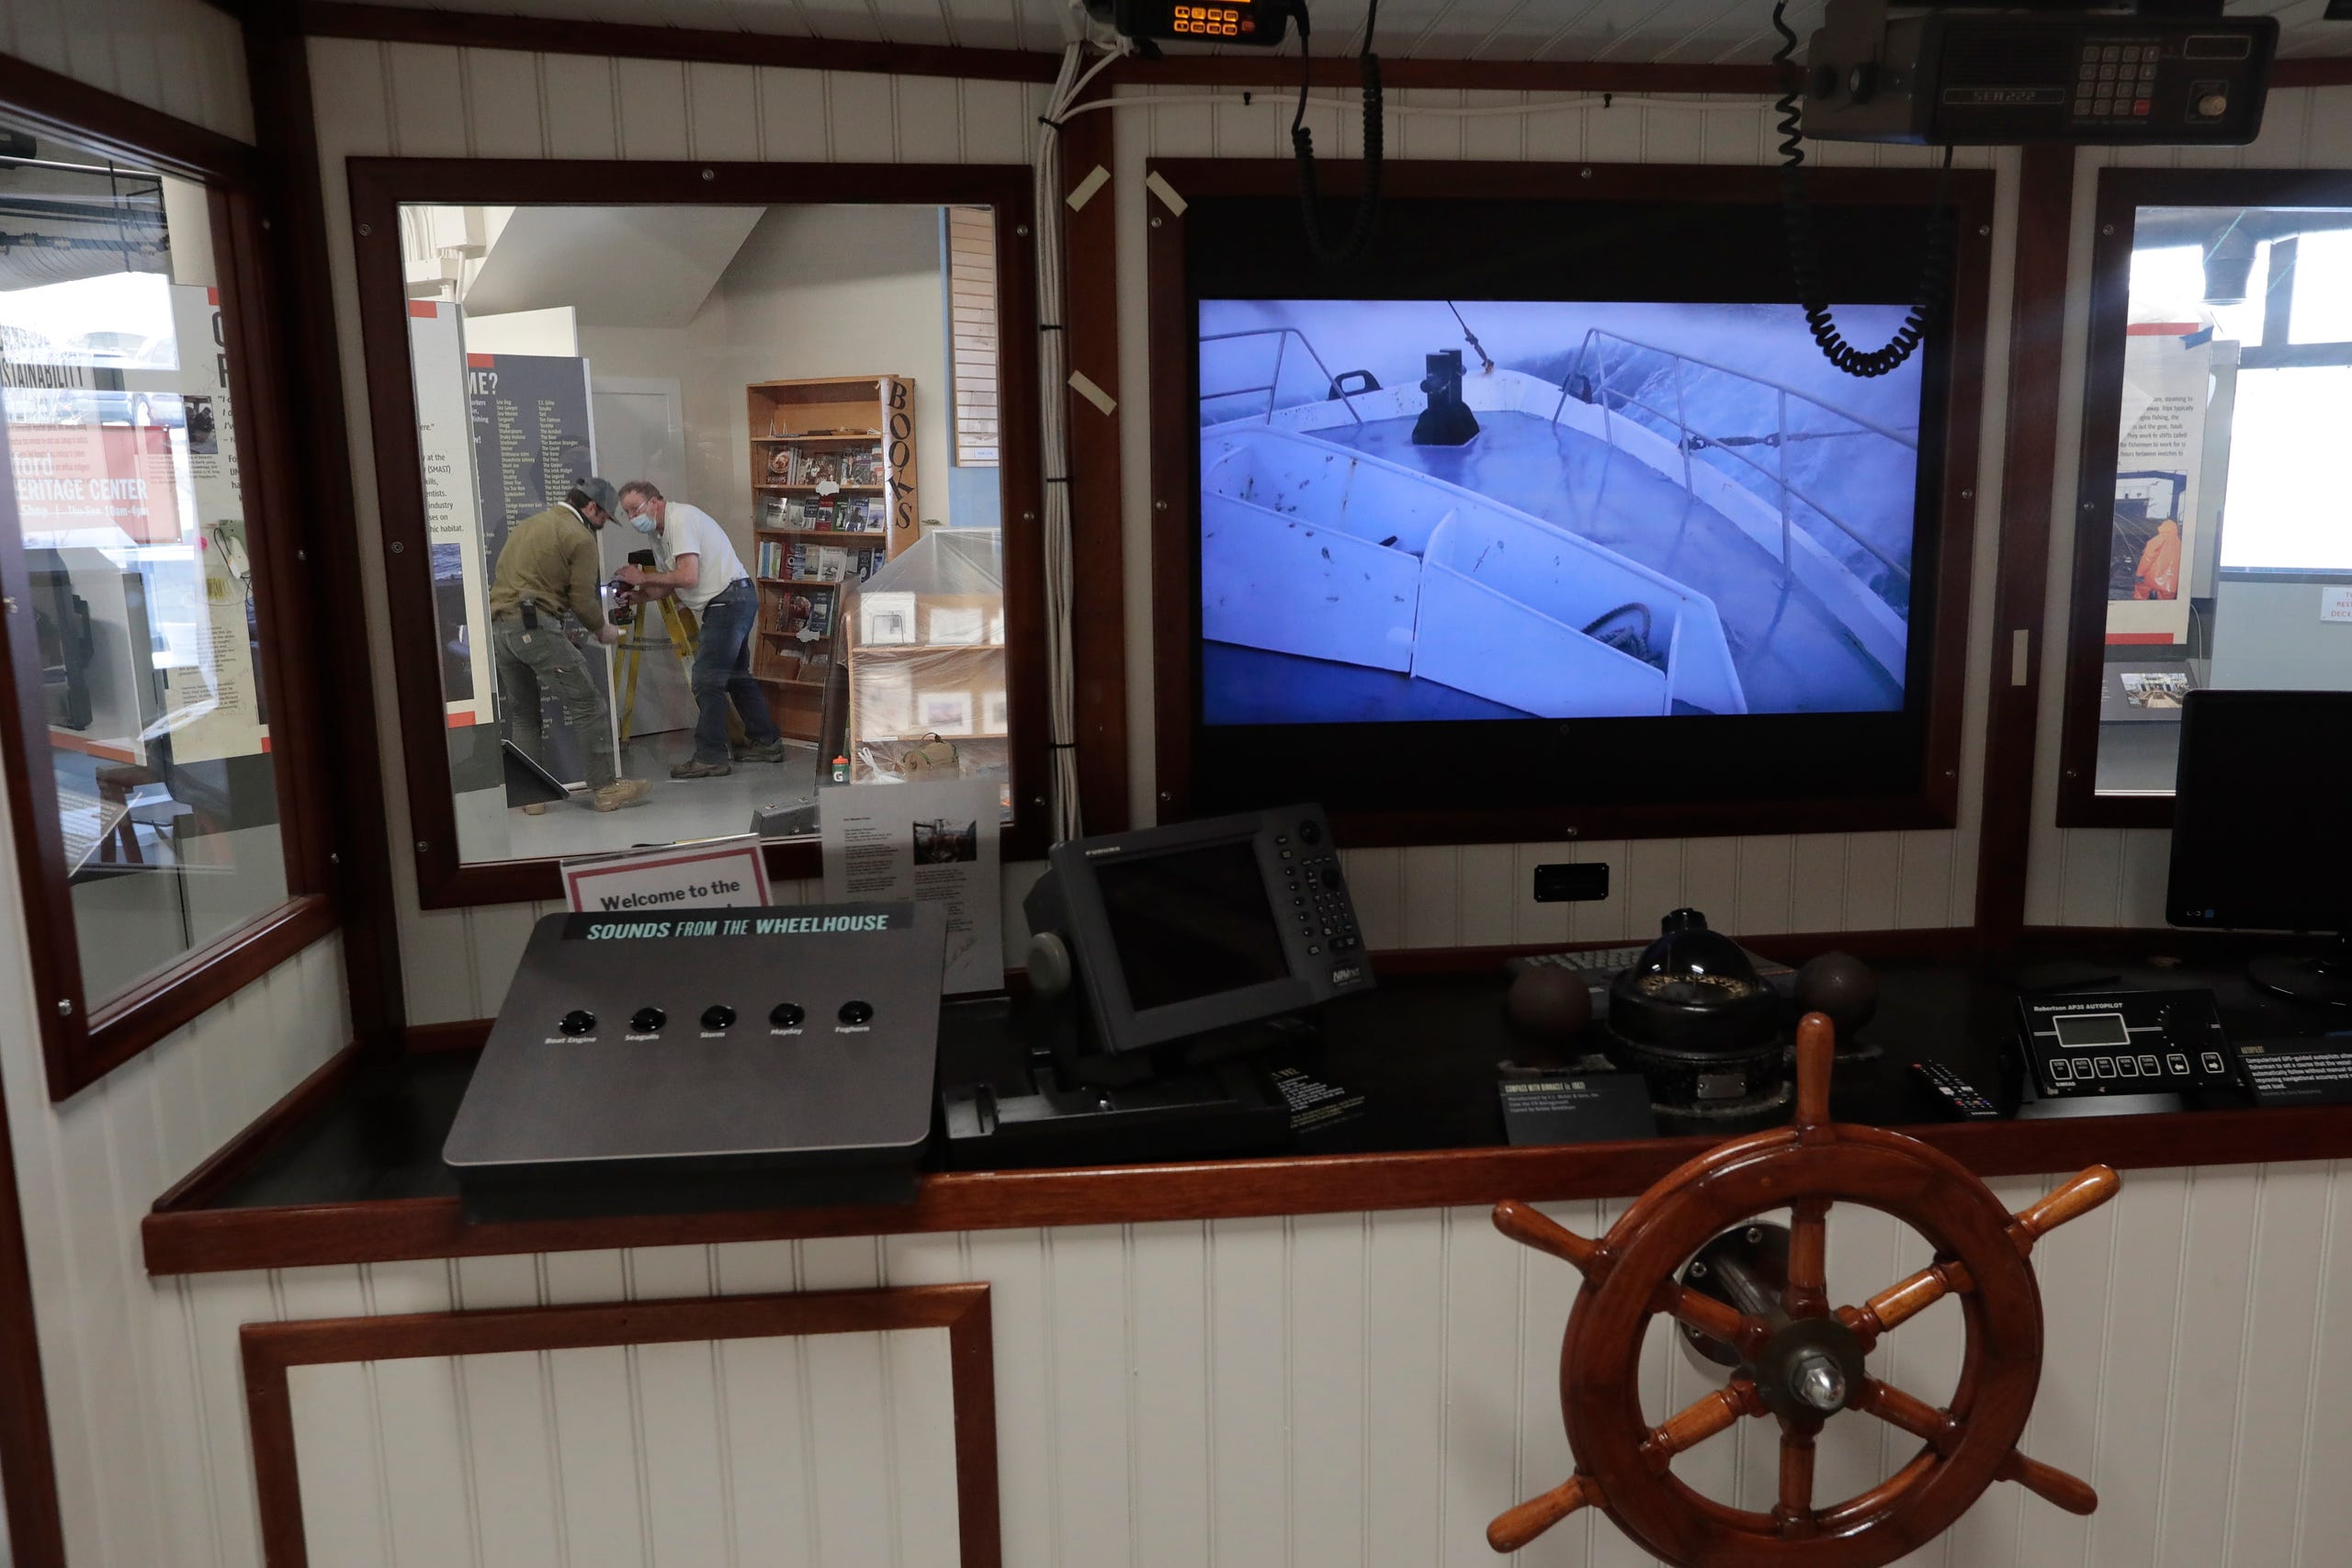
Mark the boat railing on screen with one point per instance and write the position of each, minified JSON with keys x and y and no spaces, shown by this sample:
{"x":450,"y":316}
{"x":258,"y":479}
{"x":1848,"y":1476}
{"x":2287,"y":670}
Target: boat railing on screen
{"x":1593,"y":370}
{"x":1317,"y":543}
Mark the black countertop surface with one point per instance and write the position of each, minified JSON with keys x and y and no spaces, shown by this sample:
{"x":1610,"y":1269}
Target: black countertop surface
{"x":1426,"y":1053}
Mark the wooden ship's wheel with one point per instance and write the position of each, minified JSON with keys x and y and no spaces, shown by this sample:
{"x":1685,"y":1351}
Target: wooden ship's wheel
{"x":1794,"y":1358}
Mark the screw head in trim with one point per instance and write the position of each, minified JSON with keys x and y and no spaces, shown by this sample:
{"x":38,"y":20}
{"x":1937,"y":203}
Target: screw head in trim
{"x":365,"y":230}
{"x":1022,"y":230}
{"x":710,"y":174}
{"x":66,"y":1006}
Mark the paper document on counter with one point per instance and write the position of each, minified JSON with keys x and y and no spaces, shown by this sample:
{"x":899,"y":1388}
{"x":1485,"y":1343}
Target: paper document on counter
{"x":933,"y":843}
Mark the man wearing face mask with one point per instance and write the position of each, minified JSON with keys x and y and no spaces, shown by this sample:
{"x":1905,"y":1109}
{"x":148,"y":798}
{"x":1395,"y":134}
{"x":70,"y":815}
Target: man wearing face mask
{"x":550,"y":567}
{"x":696,"y":562}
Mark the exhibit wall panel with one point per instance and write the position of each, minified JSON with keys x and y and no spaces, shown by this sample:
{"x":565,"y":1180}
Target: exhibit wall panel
{"x":116,"y":1362}
{"x":1335,"y":1391}
{"x":2115,"y":876}
{"x":183,"y":57}
{"x":1480,"y":894}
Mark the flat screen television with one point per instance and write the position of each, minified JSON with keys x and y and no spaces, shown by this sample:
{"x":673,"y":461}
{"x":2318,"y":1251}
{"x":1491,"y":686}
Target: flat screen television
{"x":1557,"y":503}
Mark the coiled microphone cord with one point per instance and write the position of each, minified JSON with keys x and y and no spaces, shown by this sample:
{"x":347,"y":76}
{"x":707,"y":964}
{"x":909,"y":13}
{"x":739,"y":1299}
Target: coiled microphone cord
{"x":1805,"y":259}
{"x":1301,"y":141}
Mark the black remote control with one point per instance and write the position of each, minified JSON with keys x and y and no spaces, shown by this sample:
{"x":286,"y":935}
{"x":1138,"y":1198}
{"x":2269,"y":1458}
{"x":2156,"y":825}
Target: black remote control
{"x":1956,"y":1095}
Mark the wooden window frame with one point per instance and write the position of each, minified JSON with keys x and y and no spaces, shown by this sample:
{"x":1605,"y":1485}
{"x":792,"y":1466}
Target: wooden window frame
{"x":2120,"y":194}
{"x":380,"y":187}
{"x":1175,"y":478}
{"x":79,"y":1044}
{"x":271,"y":1350}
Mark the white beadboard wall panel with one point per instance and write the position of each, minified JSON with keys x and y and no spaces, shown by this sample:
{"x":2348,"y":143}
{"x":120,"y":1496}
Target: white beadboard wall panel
{"x":183,"y":57}
{"x":2106,"y":876}
{"x":1322,"y":1392}
{"x":126,"y":1400}
{"x":379,"y":99}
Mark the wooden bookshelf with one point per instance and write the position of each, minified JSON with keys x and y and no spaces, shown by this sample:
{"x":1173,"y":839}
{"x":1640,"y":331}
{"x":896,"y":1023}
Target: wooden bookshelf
{"x":807,"y":439}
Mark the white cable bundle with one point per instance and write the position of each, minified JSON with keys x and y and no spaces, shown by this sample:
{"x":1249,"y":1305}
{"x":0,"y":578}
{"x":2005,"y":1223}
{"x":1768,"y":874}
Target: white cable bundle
{"x":1053,"y":446}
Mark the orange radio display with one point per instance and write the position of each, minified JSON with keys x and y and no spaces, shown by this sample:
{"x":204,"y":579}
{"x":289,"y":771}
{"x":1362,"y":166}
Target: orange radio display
{"x":1213,"y":21}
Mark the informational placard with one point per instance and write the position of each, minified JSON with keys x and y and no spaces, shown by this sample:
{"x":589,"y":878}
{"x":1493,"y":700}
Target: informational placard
{"x":533,"y":439}
{"x":2167,"y":380}
{"x":2335,"y":603}
{"x":101,"y":479}
{"x":935,"y":843}
{"x":213,"y":707}
{"x":717,"y":874}
{"x":453,"y":518}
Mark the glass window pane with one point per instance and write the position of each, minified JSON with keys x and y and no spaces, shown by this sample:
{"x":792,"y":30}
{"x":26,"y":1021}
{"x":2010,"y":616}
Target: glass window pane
{"x":122,"y":435}
{"x":786,"y":396}
{"x":2230,"y":560}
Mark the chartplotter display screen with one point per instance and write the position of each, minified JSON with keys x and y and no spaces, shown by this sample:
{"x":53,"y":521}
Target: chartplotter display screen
{"x":1191,"y":923}
{"x":1564,"y":495}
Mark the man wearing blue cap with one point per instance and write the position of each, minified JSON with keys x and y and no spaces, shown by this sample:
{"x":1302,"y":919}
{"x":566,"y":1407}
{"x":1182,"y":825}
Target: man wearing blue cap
{"x":550,"y":567}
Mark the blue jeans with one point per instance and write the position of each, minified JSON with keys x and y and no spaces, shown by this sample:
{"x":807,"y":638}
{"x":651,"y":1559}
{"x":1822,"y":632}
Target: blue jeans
{"x":723,"y":672}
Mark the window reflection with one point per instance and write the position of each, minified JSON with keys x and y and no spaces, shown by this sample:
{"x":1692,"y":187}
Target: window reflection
{"x":2229,"y":564}
{"x":674,"y":459}
{"x":122,"y":439}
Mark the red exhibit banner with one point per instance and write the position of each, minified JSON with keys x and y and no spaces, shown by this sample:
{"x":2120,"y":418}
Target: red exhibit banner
{"x":109,"y":478}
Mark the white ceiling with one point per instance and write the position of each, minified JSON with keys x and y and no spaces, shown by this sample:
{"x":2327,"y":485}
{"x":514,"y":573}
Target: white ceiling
{"x":632,"y":266}
{"x":1682,"y":31}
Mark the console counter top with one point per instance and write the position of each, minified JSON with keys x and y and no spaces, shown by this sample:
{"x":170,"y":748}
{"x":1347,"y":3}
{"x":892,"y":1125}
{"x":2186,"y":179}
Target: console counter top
{"x":356,"y":1177}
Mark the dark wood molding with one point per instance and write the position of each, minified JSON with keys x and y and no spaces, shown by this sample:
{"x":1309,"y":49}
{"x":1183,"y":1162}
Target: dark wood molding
{"x":59,"y":106}
{"x":264,"y":1132}
{"x":35,"y":1529}
{"x":271,"y":1349}
{"x":623,"y":41}
{"x":1175,"y":461}
{"x":82,"y":1042}
{"x":1097,"y":504}
{"x":233,"y":1239}
{"x":1475,"y":75}
{"x":358,"y":869}
{"x":2028,"y":469}
{"x":2120,"y":194}
{"x":379,"y":189}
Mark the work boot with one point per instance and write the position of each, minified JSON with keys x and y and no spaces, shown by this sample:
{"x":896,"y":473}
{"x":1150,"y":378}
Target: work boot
{"x":749,"y":752}
{"x":700,"y":770}
{"x":619,"y":793}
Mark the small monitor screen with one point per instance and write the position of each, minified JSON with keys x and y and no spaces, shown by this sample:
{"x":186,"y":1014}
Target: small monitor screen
{"x":2083,"y":1032}
{"x":1190,"y":924}
{"x":2260,"y":839}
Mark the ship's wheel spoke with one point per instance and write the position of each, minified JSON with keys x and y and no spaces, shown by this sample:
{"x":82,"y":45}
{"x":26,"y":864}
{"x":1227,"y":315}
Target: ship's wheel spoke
{"x":1794,"y":1511}
{"x":2069,"y":1202}
{"x":1906,"y":1298}
{"x":1687,"y":1429}
{"x":1908,"y":1413}
{"x":1515,"y":1527}
{"x":1718,"y":1321}
{"x":1808,"y":1294}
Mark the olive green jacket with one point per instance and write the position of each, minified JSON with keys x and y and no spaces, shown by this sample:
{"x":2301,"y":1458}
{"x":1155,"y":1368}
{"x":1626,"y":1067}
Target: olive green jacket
{"x":550,"y":559}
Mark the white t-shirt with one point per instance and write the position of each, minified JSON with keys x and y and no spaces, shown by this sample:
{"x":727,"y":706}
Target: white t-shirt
{"x":690,"y":531}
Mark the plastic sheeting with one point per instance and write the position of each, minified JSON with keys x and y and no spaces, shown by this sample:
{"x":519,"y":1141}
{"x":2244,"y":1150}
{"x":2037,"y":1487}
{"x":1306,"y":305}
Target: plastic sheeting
{"x":926,"y":657}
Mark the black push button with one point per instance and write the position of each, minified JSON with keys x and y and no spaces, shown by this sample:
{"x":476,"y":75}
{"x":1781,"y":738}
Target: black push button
{"x":788,"y":1015}
{"x":645,"y":1021}
{"x":1310,"y":831}
{"x":578,"y":1021}
{"x":857,"y":1012}
{"x":718,"y":1015}
{"x":1331,"y":876}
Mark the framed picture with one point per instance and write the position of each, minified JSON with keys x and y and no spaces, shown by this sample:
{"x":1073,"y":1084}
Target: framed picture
{"x":885,"y":620}
{"x":947,"y":713}
{"x":993,"y":719}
